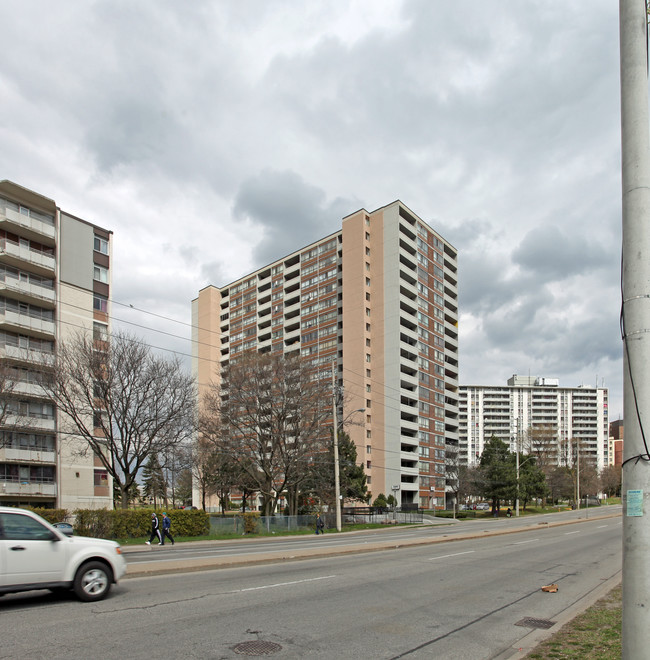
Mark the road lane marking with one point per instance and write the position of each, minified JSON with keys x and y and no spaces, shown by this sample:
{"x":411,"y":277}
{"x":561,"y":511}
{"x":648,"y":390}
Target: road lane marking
{"x":456,"y":554}
{"x":283,"y":584}
{"x":601,"y":526}
{"x":522,"y":542}
{"x":569,"y":533}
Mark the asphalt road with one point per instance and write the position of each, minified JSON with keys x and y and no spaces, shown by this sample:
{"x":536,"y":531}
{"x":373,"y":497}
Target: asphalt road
{"x":463,"y":599}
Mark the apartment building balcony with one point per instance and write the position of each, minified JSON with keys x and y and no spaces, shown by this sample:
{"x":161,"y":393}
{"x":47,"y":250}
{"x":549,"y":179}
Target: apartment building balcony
{"x":23,"y":323}
{"x":409,"y":439}
{"x":411,"y":470}
{"x":408,"y":381}
{"x":28,"y":488}
{"x":19,"y":354}
{"x":451,"y":343}
{"x":17,"y":255}
{"x":27,"y":292}
{"x":409,"y":426}
{"x":34,"y":422}
{"x":31,"y":225}
{"x":452,"y":434}
{"x":29,"y":389}
{"x":27,"y":455}
{"x":408,"y":485}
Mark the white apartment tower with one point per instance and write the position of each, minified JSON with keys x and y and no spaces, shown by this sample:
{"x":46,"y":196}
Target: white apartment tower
{"x":530,"y":408}
{"x":380,"y":299}
{"x":54,"y":281}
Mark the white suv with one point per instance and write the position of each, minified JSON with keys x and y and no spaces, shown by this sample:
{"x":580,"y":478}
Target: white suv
{"x":35,"y":555}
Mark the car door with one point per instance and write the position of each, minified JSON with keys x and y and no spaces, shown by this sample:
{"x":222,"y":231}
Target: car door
{"x":31,"y":556}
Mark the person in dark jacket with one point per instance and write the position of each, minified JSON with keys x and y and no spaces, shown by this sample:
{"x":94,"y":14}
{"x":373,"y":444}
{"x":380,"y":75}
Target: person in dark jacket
{"x":320,"y":525}
{"x":167,"y":523}
{"x":155,"y":530}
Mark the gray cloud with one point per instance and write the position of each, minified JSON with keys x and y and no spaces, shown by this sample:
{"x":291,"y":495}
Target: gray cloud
{"x":290,"y":212}
{"x":215,"y":137}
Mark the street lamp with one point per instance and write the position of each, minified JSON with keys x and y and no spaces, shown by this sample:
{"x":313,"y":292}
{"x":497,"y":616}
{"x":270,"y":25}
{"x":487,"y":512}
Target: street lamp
{"x":337,"y":479}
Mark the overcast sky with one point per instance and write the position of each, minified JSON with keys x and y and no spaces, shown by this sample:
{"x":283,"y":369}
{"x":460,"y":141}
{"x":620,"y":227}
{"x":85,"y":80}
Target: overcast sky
{"x":214,"y":137}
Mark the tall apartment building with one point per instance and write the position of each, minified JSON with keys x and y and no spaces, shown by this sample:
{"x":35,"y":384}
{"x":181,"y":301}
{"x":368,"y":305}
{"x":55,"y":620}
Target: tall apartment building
{"x":54,"y":281}
{"x":380,"y":299}
{"x":616,"y":433}
{"x":528,"y":409}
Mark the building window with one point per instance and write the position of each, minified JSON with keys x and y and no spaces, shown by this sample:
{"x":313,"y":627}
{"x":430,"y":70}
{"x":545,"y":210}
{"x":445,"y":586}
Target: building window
{"x":367,"y":357}
{"x":101,"y":478}
{"x":368,"y":464}
{"x":367,"y":252}
{"x":100,"y":303}
{"x":101,"y":245}
{"x":367,"y":236}
{"x":367,"y":311}
{"x":100,"y":274}
{"x":368,"y":449}
{"x":100,"y":331}
{"x":368,"y":433}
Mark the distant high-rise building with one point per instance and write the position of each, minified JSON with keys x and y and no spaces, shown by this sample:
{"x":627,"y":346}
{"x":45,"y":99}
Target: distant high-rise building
{"x":535,"y":412}
{"x":616,"y":429}
{"x":379,"y":299}
{"x":54,"y":281}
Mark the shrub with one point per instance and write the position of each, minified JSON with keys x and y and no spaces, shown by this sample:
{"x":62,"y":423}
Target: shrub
{"x":251,"y":522}
{"x":51,"y":515}
{"x":136,"y":523}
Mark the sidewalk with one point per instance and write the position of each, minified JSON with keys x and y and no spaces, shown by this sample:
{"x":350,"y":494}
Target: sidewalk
{"x":182,"y":565}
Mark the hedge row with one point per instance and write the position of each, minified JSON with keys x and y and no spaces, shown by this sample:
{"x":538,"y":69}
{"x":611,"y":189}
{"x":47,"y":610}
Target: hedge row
{"x":129,"y":523}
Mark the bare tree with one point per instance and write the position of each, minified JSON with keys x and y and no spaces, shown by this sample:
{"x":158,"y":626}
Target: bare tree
{"x":610,"y":480}
{"x":270,"y":414}
{"x":9,"y":377}
{"x":125,"y":402}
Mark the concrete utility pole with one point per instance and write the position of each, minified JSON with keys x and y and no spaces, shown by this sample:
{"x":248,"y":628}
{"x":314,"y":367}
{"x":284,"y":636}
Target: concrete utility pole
{"x":337,"y":478}
{"x":635,"y":147}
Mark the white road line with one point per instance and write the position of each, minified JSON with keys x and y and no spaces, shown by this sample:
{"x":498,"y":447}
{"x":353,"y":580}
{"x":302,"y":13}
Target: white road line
{"x":283,"y":584}
{"x":456,"y":554}
{"x":601,"y":526}
{"x":522,"y":542}
{"x":569,"y":533}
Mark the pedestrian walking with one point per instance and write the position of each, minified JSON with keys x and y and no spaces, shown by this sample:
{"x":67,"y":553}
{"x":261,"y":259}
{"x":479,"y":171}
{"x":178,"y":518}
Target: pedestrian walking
{"x":155,"y":530}
{"x":167,"y":523}
{"x":320,"y":525}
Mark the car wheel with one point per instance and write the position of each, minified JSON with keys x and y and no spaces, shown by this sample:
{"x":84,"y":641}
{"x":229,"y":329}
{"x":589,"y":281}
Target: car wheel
{"x":93,"y":581}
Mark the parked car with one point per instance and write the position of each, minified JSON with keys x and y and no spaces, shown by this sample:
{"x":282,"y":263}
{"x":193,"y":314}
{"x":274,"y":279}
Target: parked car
{"x":65,"y":527}
{"x":37,"y":555}
{"x":482,"y":506}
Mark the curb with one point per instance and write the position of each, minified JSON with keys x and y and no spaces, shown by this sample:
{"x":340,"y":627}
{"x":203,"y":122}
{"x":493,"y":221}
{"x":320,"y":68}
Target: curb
{"x":147,"y":569}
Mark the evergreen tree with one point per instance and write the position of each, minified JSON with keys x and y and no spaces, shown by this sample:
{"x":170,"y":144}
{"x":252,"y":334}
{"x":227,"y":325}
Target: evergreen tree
{"x":498,"y":472}
{"x":154,"y":485}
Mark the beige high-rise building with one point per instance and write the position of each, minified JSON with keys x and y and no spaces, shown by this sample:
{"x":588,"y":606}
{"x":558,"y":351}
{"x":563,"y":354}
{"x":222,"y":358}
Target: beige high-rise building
{"x":379,"y":298}
{"x":54,"y":281}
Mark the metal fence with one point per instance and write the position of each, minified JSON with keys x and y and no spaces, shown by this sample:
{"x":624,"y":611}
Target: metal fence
{"x":264,"y":524}
{"x":372,"y":514}
{"x":235,"y":525}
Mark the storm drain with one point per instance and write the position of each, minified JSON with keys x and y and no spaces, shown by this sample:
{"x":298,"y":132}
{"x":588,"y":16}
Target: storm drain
{"x":257,"y":648}
{"x":530,"y":622}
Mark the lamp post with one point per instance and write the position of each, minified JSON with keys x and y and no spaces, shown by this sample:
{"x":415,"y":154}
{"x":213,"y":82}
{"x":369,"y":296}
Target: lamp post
{"x":337,"y":478}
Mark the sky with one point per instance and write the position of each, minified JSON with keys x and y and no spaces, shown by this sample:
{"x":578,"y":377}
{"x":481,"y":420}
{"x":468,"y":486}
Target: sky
{"x":213,"y":137}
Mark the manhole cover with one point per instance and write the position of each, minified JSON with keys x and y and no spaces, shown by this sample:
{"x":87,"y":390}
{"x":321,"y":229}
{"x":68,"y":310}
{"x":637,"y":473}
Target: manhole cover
{"x":530,"y":622}
{"x":257,"y":648}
